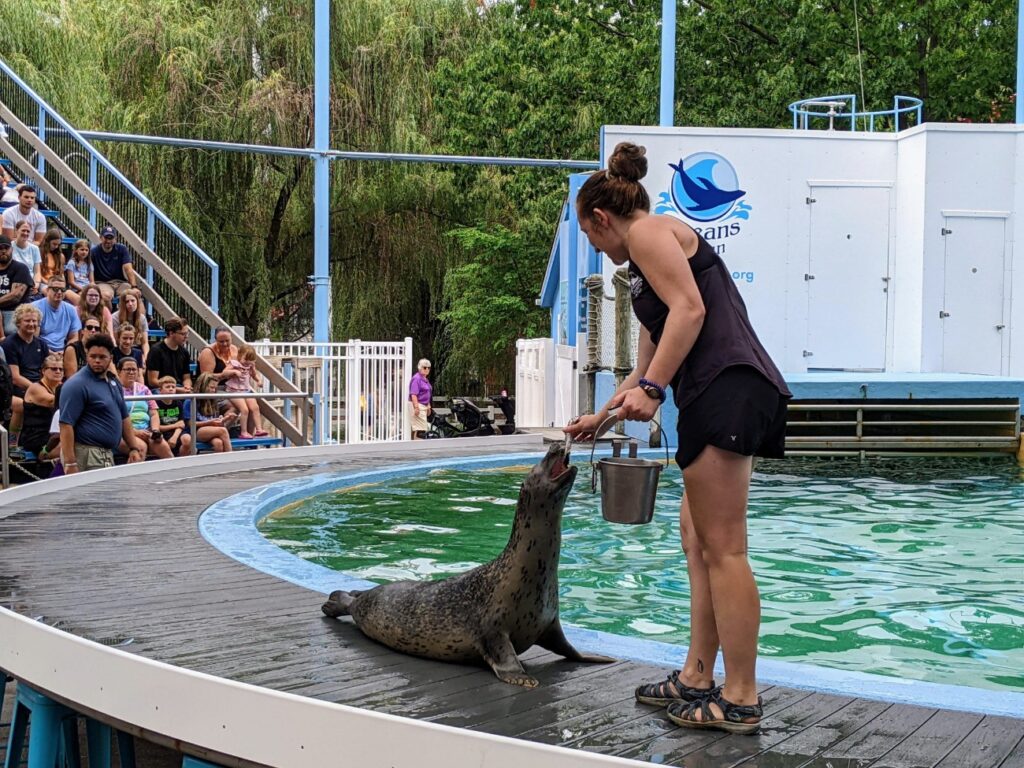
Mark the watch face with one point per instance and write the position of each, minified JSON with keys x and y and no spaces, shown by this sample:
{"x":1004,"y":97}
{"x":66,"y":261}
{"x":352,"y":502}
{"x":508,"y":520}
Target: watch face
{"x":652,"y":393}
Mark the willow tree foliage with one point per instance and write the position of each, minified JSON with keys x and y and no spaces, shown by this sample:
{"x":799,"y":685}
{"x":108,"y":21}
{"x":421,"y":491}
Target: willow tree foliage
{"x":534,"y":78}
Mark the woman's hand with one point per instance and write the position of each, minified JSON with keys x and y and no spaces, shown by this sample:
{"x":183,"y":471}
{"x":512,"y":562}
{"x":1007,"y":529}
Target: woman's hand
{"x":635,"y":405}
{"x":583,"y":428}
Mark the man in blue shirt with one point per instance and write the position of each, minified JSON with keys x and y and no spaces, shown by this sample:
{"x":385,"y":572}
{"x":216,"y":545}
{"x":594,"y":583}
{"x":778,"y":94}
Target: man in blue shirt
{"x":58,"y":323}
{"x":93,"y":414}
{"x":111,"y":264}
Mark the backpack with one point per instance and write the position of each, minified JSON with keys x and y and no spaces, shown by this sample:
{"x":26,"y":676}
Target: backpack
{"x":6,"y":391}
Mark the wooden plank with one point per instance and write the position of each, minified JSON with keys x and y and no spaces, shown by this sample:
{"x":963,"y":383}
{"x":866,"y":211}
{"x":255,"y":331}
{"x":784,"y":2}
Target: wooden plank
{"x":931,"y":742}
{"x":874,"y":738}
{"x":989,"y":744}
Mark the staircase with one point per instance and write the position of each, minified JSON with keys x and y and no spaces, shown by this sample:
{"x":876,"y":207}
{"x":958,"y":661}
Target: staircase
{"x":178,"y":278}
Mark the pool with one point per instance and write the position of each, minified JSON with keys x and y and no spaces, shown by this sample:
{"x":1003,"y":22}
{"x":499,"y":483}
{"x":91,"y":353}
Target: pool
{"x":907,"y":568}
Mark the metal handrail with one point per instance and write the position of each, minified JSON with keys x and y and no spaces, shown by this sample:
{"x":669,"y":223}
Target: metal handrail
{"x":803,"y":112}
{"x":96,"y":156}
{"x":5,"y":458}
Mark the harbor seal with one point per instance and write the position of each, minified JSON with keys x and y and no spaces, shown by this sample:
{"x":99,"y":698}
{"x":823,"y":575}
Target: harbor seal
{"x":494,"y":611}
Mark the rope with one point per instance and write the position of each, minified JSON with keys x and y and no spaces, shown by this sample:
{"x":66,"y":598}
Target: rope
{"x":860,"y":59}
{"x":595,"y":298}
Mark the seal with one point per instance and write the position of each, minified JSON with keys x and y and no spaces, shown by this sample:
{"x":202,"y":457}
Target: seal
{"x":493,"y":612}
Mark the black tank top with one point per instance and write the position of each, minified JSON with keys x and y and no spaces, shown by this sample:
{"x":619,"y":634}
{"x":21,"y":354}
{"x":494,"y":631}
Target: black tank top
{"x":725,"y":339}
{"x":35,"y":429}
{"x":218,"y":364}
{"x":79,"y":353}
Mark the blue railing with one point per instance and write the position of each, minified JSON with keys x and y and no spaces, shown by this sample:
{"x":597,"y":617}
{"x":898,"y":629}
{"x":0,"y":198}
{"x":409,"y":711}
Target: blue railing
{"x":841,"y":111}
{"x":176,"y":248}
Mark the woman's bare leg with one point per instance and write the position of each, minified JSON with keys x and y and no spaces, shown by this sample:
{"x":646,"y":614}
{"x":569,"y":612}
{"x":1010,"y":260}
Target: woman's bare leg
{"x":699,"y":666}
{"x":717,"y":487}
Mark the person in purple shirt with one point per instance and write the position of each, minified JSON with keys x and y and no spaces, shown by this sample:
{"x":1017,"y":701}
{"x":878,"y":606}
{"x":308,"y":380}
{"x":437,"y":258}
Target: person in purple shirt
{"x":420,"y":393}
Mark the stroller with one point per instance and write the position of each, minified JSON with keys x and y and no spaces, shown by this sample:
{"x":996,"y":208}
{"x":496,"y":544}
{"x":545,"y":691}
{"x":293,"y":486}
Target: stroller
{"x":467,"y":420}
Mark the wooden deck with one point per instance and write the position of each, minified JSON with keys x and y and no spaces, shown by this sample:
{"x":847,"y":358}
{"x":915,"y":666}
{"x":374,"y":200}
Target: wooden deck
{"x":121,"y":559}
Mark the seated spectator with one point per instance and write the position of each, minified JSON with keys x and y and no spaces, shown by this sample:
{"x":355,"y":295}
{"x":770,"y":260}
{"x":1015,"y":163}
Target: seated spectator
{"x":92,"y":304}
{"x":25,"y":210}
{"x":172,"y":418}
{"x":58,"y":322}
{"x":130,"y":313}
{"x":27,"y":253}
{"x":93,"y":414}
{"x":245,"y":380}
{"x":10,"y":190}
{"x":111,"y":264}
{"x":15,"y":286}
{"x":25,"y":353}
{"x":211,"y":427}
{"x":78,"y":271}
{"x":74,"y":353}
{"x":51,"y":253}
{"x":40,"y":404}
{"x":126,"y":347}
{"x":143,"y":413}
{"x":214,"y":359}
{"x":170,"y":357}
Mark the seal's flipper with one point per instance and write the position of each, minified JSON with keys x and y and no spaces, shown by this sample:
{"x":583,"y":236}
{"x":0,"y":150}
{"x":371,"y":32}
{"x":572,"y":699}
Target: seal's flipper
{"x":338,"y":603}
{"x":555,"y":641}
{"x":498,"y":652}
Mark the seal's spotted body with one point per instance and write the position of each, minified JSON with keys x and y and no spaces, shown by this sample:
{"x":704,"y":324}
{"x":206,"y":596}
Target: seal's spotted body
{"x":493,"y":612}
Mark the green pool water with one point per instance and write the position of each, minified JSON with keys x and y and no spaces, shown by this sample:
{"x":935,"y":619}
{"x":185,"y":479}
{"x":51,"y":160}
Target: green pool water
{"x":908,"y":568}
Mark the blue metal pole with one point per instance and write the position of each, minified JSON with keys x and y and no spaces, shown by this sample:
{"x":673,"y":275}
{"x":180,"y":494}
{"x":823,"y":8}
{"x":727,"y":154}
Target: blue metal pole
{"x":321,"y":171}
{"x":668,"y":62}
{"x":1020,"y":61}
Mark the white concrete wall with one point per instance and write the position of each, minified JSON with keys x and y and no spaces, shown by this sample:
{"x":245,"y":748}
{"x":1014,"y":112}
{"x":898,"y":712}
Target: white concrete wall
{"x":930,"y":171}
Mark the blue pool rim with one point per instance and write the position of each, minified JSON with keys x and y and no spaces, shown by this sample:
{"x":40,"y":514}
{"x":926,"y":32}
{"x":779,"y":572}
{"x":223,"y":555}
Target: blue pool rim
{"x":230,"y":525}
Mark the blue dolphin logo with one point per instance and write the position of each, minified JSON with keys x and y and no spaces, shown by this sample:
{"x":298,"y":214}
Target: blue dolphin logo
{"x":703,"y":192}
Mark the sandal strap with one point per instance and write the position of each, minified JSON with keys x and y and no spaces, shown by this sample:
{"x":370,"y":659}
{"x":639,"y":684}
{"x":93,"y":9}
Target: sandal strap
{"x":737,"y":713}
{"x":683,"y":692}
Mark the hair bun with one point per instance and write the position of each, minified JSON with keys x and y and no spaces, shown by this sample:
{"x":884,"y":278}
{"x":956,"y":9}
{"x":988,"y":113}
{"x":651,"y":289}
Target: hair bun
{"x":628,"y":162}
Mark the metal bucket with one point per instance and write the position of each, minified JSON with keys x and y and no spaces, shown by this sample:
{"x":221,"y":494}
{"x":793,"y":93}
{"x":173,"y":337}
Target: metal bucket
{"x":629,"y":485}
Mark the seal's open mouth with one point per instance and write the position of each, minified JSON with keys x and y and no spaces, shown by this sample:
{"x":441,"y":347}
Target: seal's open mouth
{"x":560,"y":467}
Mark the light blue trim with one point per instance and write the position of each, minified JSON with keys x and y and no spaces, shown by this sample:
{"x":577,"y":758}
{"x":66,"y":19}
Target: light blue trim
{"x":552,"y":274}
{"x":334,"y":154}
{"x":230,"y":526}
{"x":668,"y":63}
{"x":1020,"y":62}
{"x":46,"y":109}
{"x":321,"y":171}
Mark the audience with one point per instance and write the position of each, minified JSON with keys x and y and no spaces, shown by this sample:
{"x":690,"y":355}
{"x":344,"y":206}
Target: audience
{"x":25,"y":353}
{"x":143,"y":413}
{"x":15,"y":285}
{"x":212,"y":427}
{"x":126,"y":347}
{"x":170,"y":358}
{"x":92,"y":304}
{"x":27,"y":253}
{"x":74,"y":353}
{"x":93,"y":415}
{"x":172,"y":418}
{"x":130,"y":313}
{"x":25,"y":210}
{"x":78,"y":270}
{"x":111,"y":264}
{"x":214,"y":359}
{"x":58,"y":324}
{"x":52,"y":257}
{"x":40,"y":404}
{"x":244,"y":380}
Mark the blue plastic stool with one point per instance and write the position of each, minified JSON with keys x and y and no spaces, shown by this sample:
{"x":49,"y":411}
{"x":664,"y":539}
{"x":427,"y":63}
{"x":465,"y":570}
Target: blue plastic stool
{"x":53,"y":738}
{"x":187,"y":761}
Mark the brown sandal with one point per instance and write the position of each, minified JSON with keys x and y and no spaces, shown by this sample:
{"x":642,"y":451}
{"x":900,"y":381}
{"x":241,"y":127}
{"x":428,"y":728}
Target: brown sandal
{"x":671,"y":690}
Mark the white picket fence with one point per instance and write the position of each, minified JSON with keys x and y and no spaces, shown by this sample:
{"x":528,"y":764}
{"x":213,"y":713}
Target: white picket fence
{"x":363,"y":385}
{"x":546,"y":388}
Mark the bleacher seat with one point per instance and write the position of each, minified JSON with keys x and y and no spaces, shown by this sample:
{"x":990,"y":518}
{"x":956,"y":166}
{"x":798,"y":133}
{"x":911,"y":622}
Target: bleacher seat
{"x":238,"y":444}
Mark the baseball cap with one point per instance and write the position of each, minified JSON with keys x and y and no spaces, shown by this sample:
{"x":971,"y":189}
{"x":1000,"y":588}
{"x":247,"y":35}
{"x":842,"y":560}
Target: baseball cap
{"x":108,"y":231}
{"x":4,"y":240}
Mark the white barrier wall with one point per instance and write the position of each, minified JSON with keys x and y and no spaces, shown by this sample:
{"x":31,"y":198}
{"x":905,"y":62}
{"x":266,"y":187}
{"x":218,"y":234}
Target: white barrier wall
{"x":847,"y":247}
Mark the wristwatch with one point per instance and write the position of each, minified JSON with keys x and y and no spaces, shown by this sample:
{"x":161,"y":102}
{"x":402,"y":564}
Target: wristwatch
{"x":654,"y":391}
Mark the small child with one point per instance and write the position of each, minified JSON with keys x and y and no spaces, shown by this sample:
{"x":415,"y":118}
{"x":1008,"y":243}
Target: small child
{"x":173,"y":426}
{"x":244,"y":379}
{"x":78,"y":271}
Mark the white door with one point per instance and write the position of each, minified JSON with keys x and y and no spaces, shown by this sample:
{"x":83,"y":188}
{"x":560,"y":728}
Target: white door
{"x":566,"y":384}
{"x":972,"y":312}
{"x":847,"y":278}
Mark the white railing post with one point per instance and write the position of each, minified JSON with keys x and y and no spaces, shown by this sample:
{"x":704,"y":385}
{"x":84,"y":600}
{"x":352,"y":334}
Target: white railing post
{"x":403,"y":397}
{"x":353,"y":375}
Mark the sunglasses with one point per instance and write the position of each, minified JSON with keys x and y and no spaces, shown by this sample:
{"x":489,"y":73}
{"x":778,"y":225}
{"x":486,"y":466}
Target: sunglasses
{"x":92,"y":327}
{"x":56,"y":290}
{"x":53,"y":368}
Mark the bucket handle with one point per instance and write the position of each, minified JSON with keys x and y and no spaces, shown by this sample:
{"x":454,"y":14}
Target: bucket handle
{"x":593,"y":467}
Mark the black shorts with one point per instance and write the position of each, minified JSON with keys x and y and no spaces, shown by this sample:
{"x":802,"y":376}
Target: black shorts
{"x":739,"y":411}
